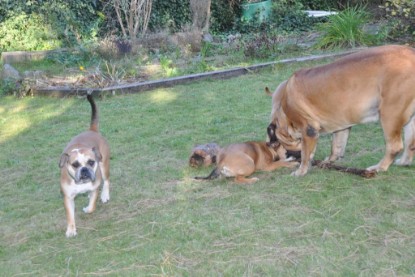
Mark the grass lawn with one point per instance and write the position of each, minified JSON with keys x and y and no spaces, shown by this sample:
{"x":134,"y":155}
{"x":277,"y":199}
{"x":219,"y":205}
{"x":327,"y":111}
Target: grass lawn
{"x":160,"y":222}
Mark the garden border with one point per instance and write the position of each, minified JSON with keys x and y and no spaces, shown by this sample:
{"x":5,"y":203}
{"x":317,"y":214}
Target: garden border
{"x":162,"y":83}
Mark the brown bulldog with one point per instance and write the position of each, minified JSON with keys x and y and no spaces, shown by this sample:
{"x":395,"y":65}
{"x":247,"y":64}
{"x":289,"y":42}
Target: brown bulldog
{"x":243,"y":159}
{"x":84,"y":166}
{"x":374,"y":84}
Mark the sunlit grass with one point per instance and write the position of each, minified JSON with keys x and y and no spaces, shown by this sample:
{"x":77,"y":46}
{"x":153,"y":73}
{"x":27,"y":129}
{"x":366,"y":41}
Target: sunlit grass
{"x":163,"y":96}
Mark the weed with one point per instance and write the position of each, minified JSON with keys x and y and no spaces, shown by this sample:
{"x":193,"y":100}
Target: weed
{"x":168,"y":66}
{"x":113,"y":73}
{"x":262,"y":45}
{"x":345,"y":29}
{"x":206,"y":49}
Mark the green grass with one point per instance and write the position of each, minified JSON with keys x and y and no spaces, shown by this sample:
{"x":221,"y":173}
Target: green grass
{"x":159,"y":222}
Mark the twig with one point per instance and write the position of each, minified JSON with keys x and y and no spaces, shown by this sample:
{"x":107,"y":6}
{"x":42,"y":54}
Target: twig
{"x":352,"y":170}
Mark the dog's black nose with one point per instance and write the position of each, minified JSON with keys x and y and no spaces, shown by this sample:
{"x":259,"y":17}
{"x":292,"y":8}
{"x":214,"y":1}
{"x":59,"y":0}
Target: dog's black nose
{"x":85,"y":173}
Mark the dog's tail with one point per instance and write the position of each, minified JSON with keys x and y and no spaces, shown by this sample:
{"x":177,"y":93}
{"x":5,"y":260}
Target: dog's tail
{"x":268,"y":92}
{"x":213,"y":175}
{"x":94,"y":115}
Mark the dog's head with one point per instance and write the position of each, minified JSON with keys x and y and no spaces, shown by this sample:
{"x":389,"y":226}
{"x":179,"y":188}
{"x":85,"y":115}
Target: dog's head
{"x":281,"y":129}
{"x":81,"y":164}
{"x":282,"y":134}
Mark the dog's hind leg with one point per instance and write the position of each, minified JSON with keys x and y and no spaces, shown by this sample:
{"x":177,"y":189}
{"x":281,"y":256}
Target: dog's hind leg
{"x":392,"y":128}
{"x":409,"y":134}
{"x":338,"y":144}
{"x":244,"y":180}
{"x":308,"y":147}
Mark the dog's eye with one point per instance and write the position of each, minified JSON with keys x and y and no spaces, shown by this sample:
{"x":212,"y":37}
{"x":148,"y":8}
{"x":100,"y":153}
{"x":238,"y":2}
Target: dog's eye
{"x":91,"y":163}
{"x":76,"y":164}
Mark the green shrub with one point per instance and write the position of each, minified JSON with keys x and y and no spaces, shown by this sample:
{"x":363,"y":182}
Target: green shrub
{"x":24,"y":32}
{"x":8,"y":86}
{"x":401,"y":17}
{"x":170,"y":14}
{"x":345,"y":29}
{"x":75,"y":21}
{"x":335,"y":4}
{"x":42,"y":25}
{"x":225,"y":15}
{"x":79,"y":56}
{"x":174,"y":15}
{"x":289,"y":16}
{"x":286,"y":16}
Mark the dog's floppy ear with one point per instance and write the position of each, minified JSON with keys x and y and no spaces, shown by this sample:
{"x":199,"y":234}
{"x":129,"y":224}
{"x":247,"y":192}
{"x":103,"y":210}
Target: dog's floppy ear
{"x":98,"y":155}
{"x":271,"y":133}
{"x":64,"y":159}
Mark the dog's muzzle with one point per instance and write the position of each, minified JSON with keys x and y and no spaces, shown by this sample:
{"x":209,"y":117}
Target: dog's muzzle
{"x":84,"y":175}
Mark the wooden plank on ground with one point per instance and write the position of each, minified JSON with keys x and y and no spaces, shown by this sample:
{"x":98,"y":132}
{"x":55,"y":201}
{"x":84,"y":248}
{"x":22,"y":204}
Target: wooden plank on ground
{"x":150,"y":85}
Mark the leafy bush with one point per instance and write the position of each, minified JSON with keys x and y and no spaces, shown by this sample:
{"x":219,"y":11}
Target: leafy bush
{"x":75,"y":21}
{"x":225,"y":15}
{"x":40,"y":25}
{"x":7,"y":86}
{"x":169,"y":14}
{"x":23,"y":32}
{"x":401,"y":17}
{"x":80,"y":56}
{"x":286,"y":16}
{"x":289,"y":16}
{"x":345,"y":29}
{"x":335,"y":4}
{"x":175,"y":15}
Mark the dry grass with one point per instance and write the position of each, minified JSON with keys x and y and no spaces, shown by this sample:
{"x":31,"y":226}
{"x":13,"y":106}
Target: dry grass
{"x":160,"y":222}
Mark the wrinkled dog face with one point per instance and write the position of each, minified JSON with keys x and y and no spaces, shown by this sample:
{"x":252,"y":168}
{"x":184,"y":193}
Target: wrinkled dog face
{"x":82,"y":164}
{"x":284,"y":134}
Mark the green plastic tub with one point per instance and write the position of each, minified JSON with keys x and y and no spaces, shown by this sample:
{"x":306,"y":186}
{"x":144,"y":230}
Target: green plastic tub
{"x":259,"y":11}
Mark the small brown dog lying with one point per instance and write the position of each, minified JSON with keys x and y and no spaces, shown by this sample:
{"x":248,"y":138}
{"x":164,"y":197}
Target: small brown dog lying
{"x":243,"y":159}
{"x":204,"y":155}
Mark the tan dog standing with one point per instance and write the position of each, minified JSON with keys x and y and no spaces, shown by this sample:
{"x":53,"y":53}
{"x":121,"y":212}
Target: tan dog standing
{"x":84,"y":166}
{"x":243,"y":159}
{"x":374,"y":84}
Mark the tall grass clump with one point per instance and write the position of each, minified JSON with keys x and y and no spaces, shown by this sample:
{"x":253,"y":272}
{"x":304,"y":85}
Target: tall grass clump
{"x":345,"y":29}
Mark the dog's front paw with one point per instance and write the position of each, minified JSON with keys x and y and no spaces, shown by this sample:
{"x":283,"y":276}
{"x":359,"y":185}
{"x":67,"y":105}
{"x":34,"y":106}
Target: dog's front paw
{"x":377,"y":168}
{"x":105,"y":196}
{"x":403,"y":162}
{"x":294,"y":164}
{"x":290,"y":159}
{"x":88,"y":209}
{"x":71,"y":231}
{"x":299,"y":172}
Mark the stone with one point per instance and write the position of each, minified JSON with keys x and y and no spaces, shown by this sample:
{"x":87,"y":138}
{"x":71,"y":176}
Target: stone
{"x":9,"y":72}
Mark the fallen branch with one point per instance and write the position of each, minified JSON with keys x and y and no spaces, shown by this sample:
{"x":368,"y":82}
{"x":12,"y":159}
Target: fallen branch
{"x":352,"y":170}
